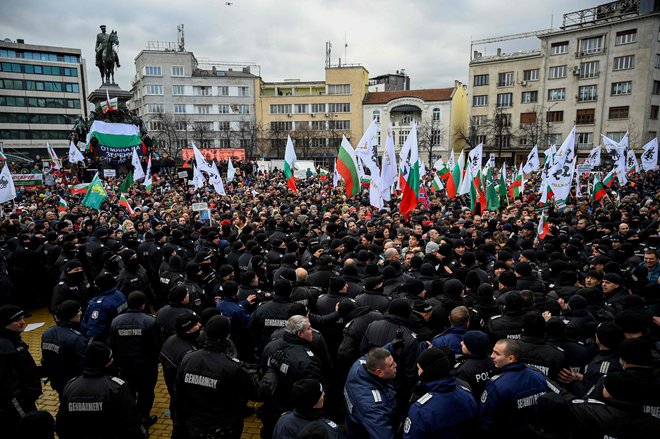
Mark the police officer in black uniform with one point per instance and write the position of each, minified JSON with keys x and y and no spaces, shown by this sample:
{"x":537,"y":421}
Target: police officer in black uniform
{"x":97,"y":403}
{"x":63,"y":346}
{"x":213,"y":388}
{"x":135,"y":340}
{"x":20,"y":385}
{"x":73,"y":285}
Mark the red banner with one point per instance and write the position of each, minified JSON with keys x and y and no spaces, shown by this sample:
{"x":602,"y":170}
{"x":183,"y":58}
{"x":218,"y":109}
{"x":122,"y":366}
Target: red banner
{"x":215,"y":153}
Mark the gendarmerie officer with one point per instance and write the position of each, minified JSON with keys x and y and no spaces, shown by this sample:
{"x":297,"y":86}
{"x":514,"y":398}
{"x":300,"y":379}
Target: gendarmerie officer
{"x":135,"y":340}
{"x":20,"y":385}
{"x":63,"y":346}
{"x":97,"y":404}
{"x":213,"y":388}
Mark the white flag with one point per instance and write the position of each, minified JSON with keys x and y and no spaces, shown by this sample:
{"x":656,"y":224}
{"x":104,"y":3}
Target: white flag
{"x":650,"y":155}
{"x":593,"y":159}
{"x":74,"y":154}
{"x":389,"y":170}
{"x":198,"y":178}
{"x":200,"y":162}
{"x":147,"y":177}
{"x":475,"y":158}
{"x":7,"y":189}
{"x":335,"y":176}
{"x":618,"y":152}
{"x":560,"y":176}
{"x":367,"y":149}
{"x":216,"y":180}
{"x":632,"y":165}
{"x":138,"y":173}
{"x":578,"y":189}
{"x":533,"y":162}
{"x":231,"y":172}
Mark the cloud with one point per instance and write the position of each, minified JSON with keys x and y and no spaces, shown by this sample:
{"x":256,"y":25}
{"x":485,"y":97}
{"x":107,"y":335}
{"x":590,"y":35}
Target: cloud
{"x":428,"y":38}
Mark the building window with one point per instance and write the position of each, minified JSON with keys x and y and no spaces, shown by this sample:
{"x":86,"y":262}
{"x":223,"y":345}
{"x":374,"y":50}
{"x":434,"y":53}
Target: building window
{"x":589,"y":69}
{"x":557,"y":72}
{"x":178,"y":90}
{"x":280,"y":108}
{"x":406,"y":119}
{"x":657,"y":61}
{"x":154,"y":90}
{"x":479,"y":120}
{"x":156,"y":125}
{"x":181,"y":125}
{"x":591,"y":45}
{"x":155,"y":108}
{"x":403,"y":135}
{"x":224,"y":125}
{"x":244,"y":91}
{"x":529,"y":96}
{"x":559,"y":48}
{"x":505,"y":79}
{"x":616,"y":135}
{"x":319,"y":125}
{"x":654,"y":112}
{"x":178,"y":71}
{"x":281,"y":126}
{"x":504,"y":99}
{"x":480,"y":80}
{"x":554,"y":116}
{"x":656,"y":87}
{"x":223,"y":90}
{"x":20,"y":101}
{"x":300,"y":108}
{"x":480,"y":101}
{"x":201,"y":91}
{"x":153,"y":71}
{"x":243,"y":109}
{"x":587,"y":93}
{"x":556,"y":94}
{"x":503,"y":141}
{"x":318,"y":108}
{"x":584,"y":140}
{"x":528,"y":118}
{"x":224,"y":109}
{"x":181,"y":143}
{"x":626,"y":37}
{"x":223,"y":143}
{"x":621,"y":88}
{"x":343,"y":107}
{"x":585,"y":117}
{"x":618,"y":112}
{"x":436,"y":137}
{"x":437,"y":114}
{"x":339,"y":89}
{"x":531,"y":75}
{"x":554,"y":139}
{"x":179,"y":108}
{"x":339,"y":125}
{"x":375,"y":115}
{"x":480,"y":138}
{"x":202,"y":109}
{"x":624,"y":62}
{"x":504,"y":119}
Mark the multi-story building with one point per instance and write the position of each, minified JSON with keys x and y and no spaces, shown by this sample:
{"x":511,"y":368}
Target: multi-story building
{"x":316,"y":114}
{"x":42,"y":91}
{"x":600,"y":72}
{"x":390,"y":82}
{"x":181,"y":100}
{"x":440,"y":115}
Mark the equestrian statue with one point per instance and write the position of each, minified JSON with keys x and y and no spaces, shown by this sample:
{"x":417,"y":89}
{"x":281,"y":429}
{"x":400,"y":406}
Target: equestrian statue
{"x":106,"y":55}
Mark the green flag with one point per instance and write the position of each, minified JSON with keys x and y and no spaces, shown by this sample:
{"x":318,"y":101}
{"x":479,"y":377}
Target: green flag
{"x":492,"y":197}
{"x":127,"y":183}
{"x":95,"y":194}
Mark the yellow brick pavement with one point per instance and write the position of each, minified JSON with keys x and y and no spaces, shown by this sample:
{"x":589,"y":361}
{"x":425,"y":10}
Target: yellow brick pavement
{"x":160,"y":430}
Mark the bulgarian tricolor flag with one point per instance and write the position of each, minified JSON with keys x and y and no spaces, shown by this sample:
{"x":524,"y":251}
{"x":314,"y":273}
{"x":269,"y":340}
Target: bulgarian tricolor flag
{"x":2,"y":156}
{"x":79,"y":188}
{"x":123,"y":202}
{"x":62,"y":206}
{"x":148,"y":177}
{"x":516,"y":188}
{"x":109,"y":104}
{"x":53,"y":156}
{"x":411,"y":182}
{"x":454,"y":178}
{"x":609,"y":178}
{"x":544,"y":227}
{"x":289,"y":161}
{"x":347,"y":167}
{"x":598,"y":192}
{"x":437,"y":184}
{"x":324,"y":174}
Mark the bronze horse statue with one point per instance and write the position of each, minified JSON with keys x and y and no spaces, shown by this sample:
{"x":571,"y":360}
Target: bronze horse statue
{"x":109,"y":59}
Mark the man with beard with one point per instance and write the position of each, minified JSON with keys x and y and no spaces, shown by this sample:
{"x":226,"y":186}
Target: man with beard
{"x":63,"y":346}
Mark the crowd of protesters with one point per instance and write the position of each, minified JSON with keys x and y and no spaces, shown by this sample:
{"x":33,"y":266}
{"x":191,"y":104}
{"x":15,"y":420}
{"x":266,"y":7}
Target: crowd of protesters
{"x":344,"y":320}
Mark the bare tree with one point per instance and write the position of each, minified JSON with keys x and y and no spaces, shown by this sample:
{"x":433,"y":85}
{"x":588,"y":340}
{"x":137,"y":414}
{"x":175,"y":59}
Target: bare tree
{"x":202,"y":134}
{"x":430,"y":134}
{"x":167,"y":130}
{"x":469,"y":136}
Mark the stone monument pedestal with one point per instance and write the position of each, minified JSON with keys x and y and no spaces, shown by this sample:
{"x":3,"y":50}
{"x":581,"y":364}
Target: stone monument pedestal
{"x":113,"y":90}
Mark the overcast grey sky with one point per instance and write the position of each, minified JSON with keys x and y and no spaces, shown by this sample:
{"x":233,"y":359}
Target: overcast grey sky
{"x":428,"y":38}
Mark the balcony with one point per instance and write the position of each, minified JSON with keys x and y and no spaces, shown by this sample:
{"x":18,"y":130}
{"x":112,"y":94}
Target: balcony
{"x":591,"y":52}
{"x":589,"y":98}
